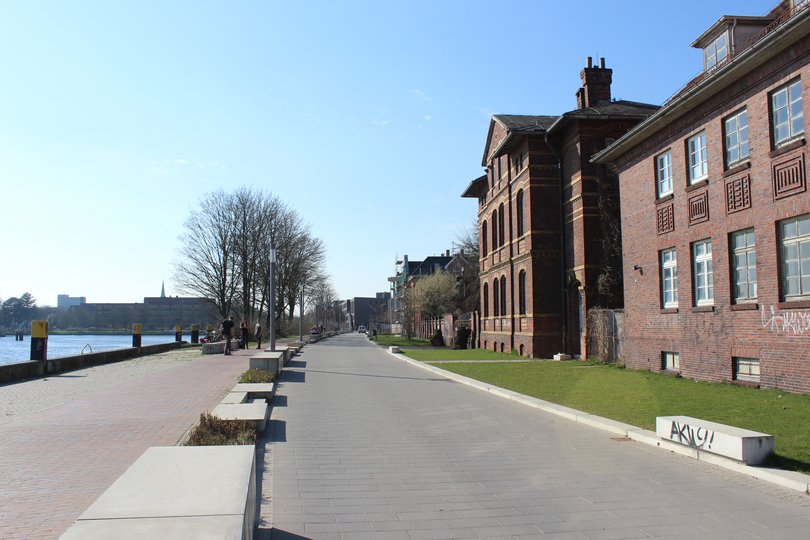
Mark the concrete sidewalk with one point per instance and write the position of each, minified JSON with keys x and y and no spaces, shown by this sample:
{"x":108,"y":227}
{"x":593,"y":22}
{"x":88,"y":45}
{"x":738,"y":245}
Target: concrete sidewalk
{"x":362,"y":445}
{"x":65,"y":439}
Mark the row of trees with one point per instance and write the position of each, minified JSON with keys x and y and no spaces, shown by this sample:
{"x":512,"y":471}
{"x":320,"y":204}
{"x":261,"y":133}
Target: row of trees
{"x":16,"y":313}
{"x":225,"y":255}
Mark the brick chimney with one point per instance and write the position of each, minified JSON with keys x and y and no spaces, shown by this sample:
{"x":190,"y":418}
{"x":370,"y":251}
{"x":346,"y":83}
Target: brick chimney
{"x":595,"y":84}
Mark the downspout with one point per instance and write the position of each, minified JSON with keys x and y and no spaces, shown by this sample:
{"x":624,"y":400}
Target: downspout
{"x":511,"y":266}
{"x":563,"y":296}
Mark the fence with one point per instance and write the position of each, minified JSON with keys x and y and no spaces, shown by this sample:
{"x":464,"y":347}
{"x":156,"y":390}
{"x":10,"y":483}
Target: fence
{"x":605,"y":328}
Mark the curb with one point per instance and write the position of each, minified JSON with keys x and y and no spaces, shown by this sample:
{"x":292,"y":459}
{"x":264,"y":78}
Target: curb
{"x":787,"y":479}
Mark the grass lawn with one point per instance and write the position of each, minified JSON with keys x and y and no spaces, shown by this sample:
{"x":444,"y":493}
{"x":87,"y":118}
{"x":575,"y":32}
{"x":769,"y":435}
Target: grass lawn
{"x":386,"y":340}
{"x":637,"y":397}
{"x":463,"y":354}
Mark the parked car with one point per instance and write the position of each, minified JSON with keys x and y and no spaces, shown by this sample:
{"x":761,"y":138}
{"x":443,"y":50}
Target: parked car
{"x":361,"y":329}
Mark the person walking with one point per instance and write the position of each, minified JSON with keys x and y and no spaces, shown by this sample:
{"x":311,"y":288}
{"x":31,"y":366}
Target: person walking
{"x":227,"y":331}
{"x":243,"y":340}
{"x":257,"y":332}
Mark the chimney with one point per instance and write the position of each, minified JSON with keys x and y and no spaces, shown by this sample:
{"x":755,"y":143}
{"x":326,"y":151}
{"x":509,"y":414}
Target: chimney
{"x":595,"y":84}
{"x":447,"y":253}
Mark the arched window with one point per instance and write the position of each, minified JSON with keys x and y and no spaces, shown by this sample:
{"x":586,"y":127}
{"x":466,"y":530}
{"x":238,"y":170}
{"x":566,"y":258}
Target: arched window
{"x":496,"y":295}
{"x":484,"y":239}
{"x":501,"y":216}
{"x":503,"y":295}
{"x":494,"y":230}
{"x":519,"y":204}
{"x":486,"y":299}
{"x":522,"y":292}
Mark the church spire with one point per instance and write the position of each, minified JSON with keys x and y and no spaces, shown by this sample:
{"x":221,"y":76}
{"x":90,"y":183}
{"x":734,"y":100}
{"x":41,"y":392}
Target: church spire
{"x":163,"y":289}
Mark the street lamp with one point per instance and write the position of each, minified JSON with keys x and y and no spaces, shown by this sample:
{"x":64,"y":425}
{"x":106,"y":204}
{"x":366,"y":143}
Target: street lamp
{"x":271,"y":305}
{"x":301,"y":316}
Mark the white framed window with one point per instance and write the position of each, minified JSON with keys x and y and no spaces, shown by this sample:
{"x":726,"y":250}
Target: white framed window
{"x":669,"y":278}
{"x":736,"y":135}
{"x":795,"y":240}
{"x":744,"y":265}
{"x":787,"y":115}
{"x":703,"y":273}
{"x":663,"y":173}
{"x":670,"y":361}
{"x":698,"y":165}
{"x":746,"y":369}
{"x":716,"y":51}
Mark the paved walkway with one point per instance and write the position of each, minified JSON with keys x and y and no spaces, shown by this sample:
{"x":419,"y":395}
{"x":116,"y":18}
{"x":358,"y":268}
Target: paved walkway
{"x":362,"y":445}
{"x":65,"y":439}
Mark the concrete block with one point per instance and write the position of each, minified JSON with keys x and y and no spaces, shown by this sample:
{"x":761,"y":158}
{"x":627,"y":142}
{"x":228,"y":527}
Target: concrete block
{"x":256,"y":390}
{"x":255,"y":411}
{"x":268,"y":360}
{"x":218,"y":347}
{"x":750,"y":447}
{"x":235,"y":397}
{"x":561,"y":356}
{"x":393,"y":349}
{"x":177,"y":492}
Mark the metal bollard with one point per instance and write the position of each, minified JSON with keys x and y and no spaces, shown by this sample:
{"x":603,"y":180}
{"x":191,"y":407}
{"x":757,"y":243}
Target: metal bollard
{"x":195,"y":333}
{"x":39,"y":340}
{"x":136,"y":335}
{"x":178,"y":332}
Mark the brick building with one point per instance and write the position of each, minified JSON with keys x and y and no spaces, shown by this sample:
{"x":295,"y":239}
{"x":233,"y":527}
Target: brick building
{"x":549,"y":221}
{"x":716,"y":214}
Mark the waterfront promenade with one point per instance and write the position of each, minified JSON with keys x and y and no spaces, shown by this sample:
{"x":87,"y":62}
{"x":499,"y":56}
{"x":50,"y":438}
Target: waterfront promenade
{"x":65,"y":439}
{"x":366,"y":446}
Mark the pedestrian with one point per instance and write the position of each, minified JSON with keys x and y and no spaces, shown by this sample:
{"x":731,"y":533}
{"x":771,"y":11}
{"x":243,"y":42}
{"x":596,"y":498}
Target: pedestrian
{"x":227,"y":330}
{"x":258,"y":333}
{"x":243,"y":343}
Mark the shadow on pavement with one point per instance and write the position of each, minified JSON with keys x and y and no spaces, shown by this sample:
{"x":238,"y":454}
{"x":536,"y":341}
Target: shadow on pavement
{"x":297,"y":363}
{"x":429,"y":379}
{"x":292,"y":376}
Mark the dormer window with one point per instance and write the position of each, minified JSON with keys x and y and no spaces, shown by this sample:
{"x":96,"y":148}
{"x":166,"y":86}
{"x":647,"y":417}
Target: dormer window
{"x":716,"y":51}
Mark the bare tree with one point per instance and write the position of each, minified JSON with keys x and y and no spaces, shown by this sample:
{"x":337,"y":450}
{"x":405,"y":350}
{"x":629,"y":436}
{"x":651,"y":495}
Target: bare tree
{"x":207,"y":245}
{"x":469,"y":288}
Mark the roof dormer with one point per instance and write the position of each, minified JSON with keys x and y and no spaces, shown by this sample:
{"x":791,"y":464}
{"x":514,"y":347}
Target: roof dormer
{"x":728,"y":35}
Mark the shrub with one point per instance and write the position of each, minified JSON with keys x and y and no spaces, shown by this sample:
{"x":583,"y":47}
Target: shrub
{"x":257,"y":376}
{"x":212,"y":431}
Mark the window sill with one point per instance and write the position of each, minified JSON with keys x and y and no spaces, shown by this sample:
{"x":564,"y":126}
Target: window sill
{"x":794,"y":304}
{"x":665,"y":198}
{"x":744,"y":307}
{"x":737,"y":169}
{"x":697,"y":185}
{"x":668,"y":311}
{"x":702,"y":309}
{"x":785,"y":148}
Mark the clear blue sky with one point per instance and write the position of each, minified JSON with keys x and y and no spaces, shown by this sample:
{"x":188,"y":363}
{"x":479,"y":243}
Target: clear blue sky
{"x":369,"y":118}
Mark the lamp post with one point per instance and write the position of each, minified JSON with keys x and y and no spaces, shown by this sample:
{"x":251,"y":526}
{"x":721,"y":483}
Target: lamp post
{"x":301,"y":316}
{"x":271,"y":305}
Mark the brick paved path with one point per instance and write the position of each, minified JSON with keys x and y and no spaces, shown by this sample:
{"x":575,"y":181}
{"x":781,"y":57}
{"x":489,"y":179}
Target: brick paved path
{"x":365,"y":446}
{"x":64,"y":440}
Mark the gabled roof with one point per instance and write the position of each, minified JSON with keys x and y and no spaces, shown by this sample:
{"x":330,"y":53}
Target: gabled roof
{"x":514,"y":124}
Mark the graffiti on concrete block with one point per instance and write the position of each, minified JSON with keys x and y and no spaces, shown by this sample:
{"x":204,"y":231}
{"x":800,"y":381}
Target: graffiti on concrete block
{"x":788,"y":322}
{"x":696,"y":437}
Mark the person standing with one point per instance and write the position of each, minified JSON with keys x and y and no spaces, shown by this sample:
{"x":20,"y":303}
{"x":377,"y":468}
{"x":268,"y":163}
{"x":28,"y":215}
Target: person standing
{"x":227,"y":331}
{"x":257,"y":332}
{"x":243,"y":340}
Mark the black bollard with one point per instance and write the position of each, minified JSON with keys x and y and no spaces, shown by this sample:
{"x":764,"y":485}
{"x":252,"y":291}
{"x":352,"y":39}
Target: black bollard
{"x":136,"y":335}
{"x":39,"y":341}
{"x":178,"y":332}
{"x":195,"y":333}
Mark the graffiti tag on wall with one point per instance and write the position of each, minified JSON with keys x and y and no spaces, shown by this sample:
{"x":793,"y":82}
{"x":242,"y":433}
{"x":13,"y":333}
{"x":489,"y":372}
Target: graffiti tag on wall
{"x":663,"y":321}
{"x":788,"y":322}
{"x":690,"y":436}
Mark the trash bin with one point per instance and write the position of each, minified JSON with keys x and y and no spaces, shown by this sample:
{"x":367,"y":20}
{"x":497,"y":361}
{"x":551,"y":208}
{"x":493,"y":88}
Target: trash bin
{"x":374,"y":333}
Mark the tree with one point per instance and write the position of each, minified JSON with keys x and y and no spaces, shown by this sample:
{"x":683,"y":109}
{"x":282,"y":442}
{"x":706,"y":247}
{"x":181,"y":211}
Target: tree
{"x":436,"y":294}
{"x":19,"y":312}
{"x":468,"y":284}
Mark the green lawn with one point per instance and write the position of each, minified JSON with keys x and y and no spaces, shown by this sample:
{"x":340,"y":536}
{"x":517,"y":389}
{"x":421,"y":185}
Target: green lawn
{"x":385,"y":340}
{"x":637,"y":397}
{"x":450,"y":354}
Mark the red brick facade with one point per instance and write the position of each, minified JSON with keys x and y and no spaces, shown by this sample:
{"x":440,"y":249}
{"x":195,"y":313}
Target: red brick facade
{"x":540,"y":182}
{"x":769,"y":326}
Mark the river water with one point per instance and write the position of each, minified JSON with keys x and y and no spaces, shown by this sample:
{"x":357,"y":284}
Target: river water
{"x":12,"y":351}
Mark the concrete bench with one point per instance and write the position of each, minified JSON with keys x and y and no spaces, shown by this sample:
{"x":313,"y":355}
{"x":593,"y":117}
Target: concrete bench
{"x":177,"y":492}
{"x":256,"y":390}
{"x":235,"y":397}
{"x":217,"y":347}
{"x":269,"y":361}
{"x":749,"y":447}
{"x":254,"y":411}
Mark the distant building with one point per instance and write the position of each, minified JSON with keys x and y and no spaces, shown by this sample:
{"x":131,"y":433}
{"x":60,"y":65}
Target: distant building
{"x":406,"y":271}
{"x":155,"y":314}
{"x":63,"y":301}
{"x":716,"y":212}
{"x":366,"y":311}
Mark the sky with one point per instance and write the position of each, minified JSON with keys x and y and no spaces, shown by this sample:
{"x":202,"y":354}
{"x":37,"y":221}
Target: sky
{"x":369,"y":118}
